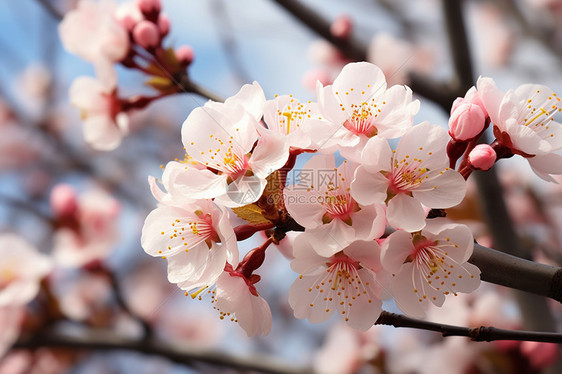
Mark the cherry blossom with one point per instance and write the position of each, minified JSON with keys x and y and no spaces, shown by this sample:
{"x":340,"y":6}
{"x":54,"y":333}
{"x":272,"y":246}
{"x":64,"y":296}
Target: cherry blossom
{"x":429,"y":265}
{"x":221,"y":137}
{"x":88,"y":233}
{"x":92,"y":32}
{"x":346,"y":283}
{"x":21,"y":269}
{"x":346,"y":350}
{"x":322,"y":203}
{"x":415,"y":173}
{"x":236,"y":298}
{"x":359,"y":106}
{"x":196,"y":238}
{"x":105,"y":122}
{"x":286,"y":115}
{"x":524,"y":125}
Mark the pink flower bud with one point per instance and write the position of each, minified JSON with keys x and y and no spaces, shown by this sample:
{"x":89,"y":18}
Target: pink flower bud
{"x":541,"y":355}
{"x":163,"y":25}
{"x":466,"y":122}
{"x":341,"y":27}
{"x":471,"y":97}
{"x":128,"y":15}
{"x":63,"y":200}
{"x":146,"y":34}
{"x":149,"y":6}
{"x":185,"y":55}
{"x":482,"y":157}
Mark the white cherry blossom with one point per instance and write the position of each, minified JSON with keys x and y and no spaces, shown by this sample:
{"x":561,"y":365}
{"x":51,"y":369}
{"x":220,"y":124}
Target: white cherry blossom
{"x":359,"y":106}
{"x":428,"y":265}
{"x":236,"y":298}
{"x":286,"y":115}
{"x":346,"y":283}
{"x":100,"y":109}
{"x":21,"y":270}
{"x":524,"y":123}
{"x":221,"y":137}
{"x":415,"y":173}
{"x":92,"y":32}
{"x":322,"y":203}
{"x":196,"y":238}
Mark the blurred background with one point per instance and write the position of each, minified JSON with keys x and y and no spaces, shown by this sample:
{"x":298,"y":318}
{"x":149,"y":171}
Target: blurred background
{"x":119,"y":290}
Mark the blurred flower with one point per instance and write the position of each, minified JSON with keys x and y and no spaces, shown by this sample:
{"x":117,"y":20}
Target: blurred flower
{"x":21,"y":270}
{"x":398,"y":59}
{"x":105,"y":122}
{"x":89,"y":234}
{"x":92,"y":32}
{"x":11,"y":318}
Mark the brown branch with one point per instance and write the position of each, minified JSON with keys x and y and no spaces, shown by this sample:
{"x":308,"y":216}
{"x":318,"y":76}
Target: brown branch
{"x":479,"y":334}
{"x":181,"y":353}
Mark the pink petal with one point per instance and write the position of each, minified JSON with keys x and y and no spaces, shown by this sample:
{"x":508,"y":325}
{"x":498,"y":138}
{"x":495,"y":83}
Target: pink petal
{"x":368,"y":188}
{"x":406,"y":213}
{"x":442,"y":191}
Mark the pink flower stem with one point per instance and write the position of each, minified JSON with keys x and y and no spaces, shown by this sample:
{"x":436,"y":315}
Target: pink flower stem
{"x":245,"y":231}
{"x":253,"y":259}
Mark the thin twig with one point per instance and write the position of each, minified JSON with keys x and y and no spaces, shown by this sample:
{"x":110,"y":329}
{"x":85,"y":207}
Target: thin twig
{"x":50,"y":8}
{"x":479,"y":334}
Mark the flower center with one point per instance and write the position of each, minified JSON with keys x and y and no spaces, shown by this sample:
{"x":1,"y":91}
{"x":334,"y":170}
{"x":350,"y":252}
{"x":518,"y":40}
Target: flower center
{"x":406,"y":176}
{"x":362,"y":121}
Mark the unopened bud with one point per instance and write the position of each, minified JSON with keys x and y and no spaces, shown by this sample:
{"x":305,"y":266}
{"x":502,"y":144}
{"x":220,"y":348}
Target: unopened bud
{"x":163,"y":25}
{"x":146,"y":34}
{"x":185,"y":55}
{"x":63,"y":200}
{"x":466,"y":122}
{"x":482,"y":157}
{"x":341,"y":27}
{"x":150,"y":8}
{"x":128,"y":15}
{"x":471,"y":97}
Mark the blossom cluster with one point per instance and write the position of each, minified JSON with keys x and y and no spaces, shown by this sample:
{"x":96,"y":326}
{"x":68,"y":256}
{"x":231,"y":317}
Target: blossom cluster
{"x":364,"y":233}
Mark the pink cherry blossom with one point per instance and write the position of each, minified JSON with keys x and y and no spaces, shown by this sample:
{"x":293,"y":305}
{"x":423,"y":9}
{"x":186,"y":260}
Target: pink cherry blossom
{"x":415,"y":173}
{"x":524,"y":125}
{"x":322,"y":203}
{"x":100,"y":108}
{"x":197,"y":239}
{"x":21,"y":269}
{"x":346,"y":283}
{"x":92,"y":32}
{"x":236,"y":298}
{"x":220,"y":137}
{"x":429,"y":265}
{"x":90,"y":234}
{"x":359,"y":106}
{"x":341,"y":27}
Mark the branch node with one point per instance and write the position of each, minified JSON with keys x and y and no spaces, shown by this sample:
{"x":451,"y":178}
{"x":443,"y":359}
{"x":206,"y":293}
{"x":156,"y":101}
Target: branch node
{"x":481,"y":334}
{"x":556,"y":286}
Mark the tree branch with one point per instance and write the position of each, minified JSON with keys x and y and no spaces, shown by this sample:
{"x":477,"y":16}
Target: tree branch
{"x":479,"y":334}
{"x":50,"y":8}
{"x":517,"y":273}
{"x":177,"y":352}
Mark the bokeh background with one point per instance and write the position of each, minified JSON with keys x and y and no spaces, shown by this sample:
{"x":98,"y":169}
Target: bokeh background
{"x":237,"y":42}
